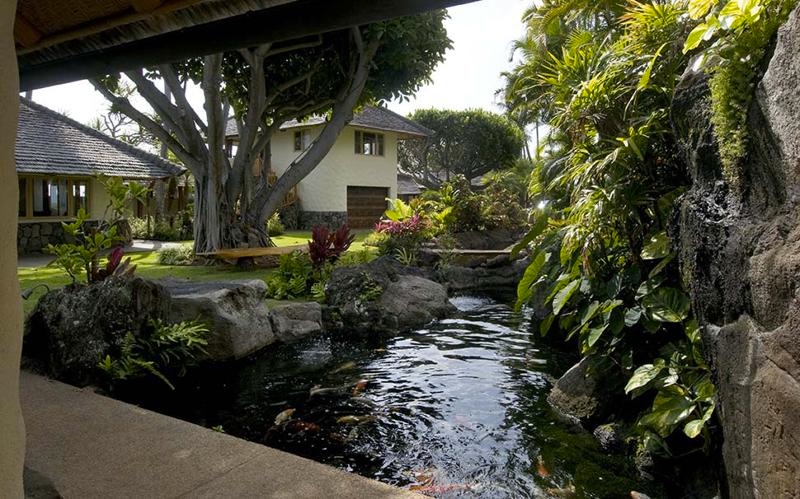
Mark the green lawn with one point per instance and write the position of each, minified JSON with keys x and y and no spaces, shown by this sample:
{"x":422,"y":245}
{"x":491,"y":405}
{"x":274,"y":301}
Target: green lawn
{"x":148,"y":266}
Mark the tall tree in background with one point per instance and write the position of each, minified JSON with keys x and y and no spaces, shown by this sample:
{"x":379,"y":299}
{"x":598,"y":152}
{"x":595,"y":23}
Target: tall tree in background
{"x":469,"y":143}
{"x":262,"y":87}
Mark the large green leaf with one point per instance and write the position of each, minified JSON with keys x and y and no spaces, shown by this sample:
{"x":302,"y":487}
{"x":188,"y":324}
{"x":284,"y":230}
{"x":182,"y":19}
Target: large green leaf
{"x":657,"y":247}
{"x":648,"y":287}
{"x":644,"y":375}
{"x":699,"y":8}
{"x":531,"y":276}
{"x":670,"y":407}
{"x":594,"y":334}
{"x":538,"y":228}
{"x":667,"y":305}
{"x":544,"y":326}
{"x":563,"y":296}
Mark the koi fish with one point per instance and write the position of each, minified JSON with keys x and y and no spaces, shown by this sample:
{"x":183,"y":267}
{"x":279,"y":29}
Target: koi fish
{"x":284,"y":416}
{"x":347,"y":366}
{"x":541,"y":469}
{"x":567,"y":492}
{"x":317,"y":391}
{"x":360,"y":386}
{"x":356,"y":419}
{"x":442,"y":489}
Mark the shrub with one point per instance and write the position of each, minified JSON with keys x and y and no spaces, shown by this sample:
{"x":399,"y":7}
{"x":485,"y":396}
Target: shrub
{"x":84,"y":254}
{"x":164,"y":231}
{"x":275,"y":226}
{"x":407,"y":235}
{"x":139,"y":229}
{"x":326,"y":246}
{"x":179,"y":255}
{"x":293,"y":277}
{"x":161,"y":230}
{"x":375,"y":239}
{"x":168,"y":350}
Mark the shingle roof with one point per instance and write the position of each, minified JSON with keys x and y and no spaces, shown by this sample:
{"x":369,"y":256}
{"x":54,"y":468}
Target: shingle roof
{"x":377,"y":118}
{"x":406,"y":185}
{"x":50,"y":143}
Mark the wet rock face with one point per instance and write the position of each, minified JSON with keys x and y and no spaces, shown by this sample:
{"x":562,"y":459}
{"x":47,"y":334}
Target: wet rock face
{"x":383,"y":295}
{"x":73,"y":328}
{"x":739,"y":249}
{"x":489,"y":275}
{"x":236,"y":311}
{"x":296,"y":320}
{"x":586,"y":394}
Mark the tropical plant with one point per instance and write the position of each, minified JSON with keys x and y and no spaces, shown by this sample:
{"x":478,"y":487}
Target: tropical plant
{"x":293,"y":277}
{"x":603,"y":75}
{"x":733,"y":35}
{"x":165,"y":350}
{"x":83,"y":255}
{"x":176,"y":255}
{"x":408,"y":234}
{"x":275,"y":226}
{"x":326,"y":246}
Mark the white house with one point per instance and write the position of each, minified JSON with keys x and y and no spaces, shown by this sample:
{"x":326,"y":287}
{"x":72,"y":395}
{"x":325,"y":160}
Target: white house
{"x":353,"y":181}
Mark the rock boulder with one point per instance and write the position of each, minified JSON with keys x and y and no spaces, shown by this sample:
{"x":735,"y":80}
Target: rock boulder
{"x":296,"y":320}
{"x":235,"y":310}
{"x":586,"y":393}
{"x":72,"y":328}
{"x":383,"y":295}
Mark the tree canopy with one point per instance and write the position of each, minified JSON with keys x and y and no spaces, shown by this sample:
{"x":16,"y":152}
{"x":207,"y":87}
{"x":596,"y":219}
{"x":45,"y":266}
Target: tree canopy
{"x":469,"y":143}
{"x":262,"y":87}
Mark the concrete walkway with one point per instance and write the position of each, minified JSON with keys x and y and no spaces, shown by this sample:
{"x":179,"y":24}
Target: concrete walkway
{"x":93,"y":446}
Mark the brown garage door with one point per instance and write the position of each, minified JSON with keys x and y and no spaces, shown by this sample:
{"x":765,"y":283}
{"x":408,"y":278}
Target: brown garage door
{"x":365,"y":205}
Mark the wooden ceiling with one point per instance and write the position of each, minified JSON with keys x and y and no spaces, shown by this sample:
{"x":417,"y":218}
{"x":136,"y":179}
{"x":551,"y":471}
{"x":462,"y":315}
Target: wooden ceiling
{"x":65,"y":40}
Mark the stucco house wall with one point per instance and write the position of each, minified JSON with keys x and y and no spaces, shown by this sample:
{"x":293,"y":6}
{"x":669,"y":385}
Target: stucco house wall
{"x":323,"y":193}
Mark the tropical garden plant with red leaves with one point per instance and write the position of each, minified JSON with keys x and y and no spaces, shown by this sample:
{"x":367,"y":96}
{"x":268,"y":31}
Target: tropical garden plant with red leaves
{"x":326,"y":246}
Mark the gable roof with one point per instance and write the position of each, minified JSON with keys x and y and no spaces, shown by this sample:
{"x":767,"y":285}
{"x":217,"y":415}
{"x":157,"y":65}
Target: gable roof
{"x":50,"y":143}
{"x":372,"y":117}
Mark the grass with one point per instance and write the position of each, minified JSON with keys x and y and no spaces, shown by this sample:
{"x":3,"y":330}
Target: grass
{"x":147,"y":266}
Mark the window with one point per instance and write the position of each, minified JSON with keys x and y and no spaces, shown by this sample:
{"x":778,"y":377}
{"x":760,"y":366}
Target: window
{"x":52,"y":196}
{"x":302,"y":140}
{"x":80,"y":195}
{"x":23,"y":198}
{"x":368,"y":143}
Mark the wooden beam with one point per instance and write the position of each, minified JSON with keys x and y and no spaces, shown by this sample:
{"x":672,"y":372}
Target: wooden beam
{"x":25,"y":33}
{"x":285,"y":22}
{"x":146,"y":6}
{"x":142,"y":10}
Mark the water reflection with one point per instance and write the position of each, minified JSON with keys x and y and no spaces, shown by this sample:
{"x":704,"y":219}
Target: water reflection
{"x":456,"y":409}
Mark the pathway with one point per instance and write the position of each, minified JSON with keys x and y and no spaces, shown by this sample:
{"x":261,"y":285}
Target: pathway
{"x":93,"y":446}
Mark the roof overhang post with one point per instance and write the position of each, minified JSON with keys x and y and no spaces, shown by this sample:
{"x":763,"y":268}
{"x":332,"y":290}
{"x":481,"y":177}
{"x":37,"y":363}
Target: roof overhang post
{"x":12,"y":450}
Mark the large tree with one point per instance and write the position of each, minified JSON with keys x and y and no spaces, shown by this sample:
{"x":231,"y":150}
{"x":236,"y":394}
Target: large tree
{"x":262,"y":87}
{"x":469,"y":143}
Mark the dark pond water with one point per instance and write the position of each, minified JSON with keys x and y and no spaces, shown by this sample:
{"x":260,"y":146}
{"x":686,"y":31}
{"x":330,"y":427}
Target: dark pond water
{"x":455,"y":410}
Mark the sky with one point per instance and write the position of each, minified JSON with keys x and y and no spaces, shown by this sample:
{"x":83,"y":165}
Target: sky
{"x":482,"y":33}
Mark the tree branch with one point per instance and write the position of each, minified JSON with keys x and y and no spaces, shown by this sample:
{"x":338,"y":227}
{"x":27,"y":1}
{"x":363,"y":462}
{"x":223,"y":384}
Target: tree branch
{"x":190,"y":160}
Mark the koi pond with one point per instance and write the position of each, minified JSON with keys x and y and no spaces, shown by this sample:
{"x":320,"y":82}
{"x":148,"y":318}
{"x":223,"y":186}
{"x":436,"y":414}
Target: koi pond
{"x":455,"y":410}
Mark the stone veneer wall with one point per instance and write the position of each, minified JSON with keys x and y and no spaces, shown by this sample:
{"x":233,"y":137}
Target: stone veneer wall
{"x":333,"y":219}
{"x":33,"y":237}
